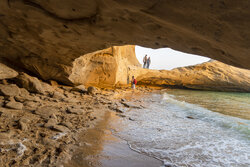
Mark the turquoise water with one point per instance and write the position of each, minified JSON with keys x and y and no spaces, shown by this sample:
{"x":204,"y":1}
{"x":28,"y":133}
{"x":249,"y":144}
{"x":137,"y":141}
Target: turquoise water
{"x":228,"y":103}
{"x":192,"y":128}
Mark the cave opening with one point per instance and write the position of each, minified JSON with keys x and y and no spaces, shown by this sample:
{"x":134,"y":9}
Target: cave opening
{"x":167,"y":58}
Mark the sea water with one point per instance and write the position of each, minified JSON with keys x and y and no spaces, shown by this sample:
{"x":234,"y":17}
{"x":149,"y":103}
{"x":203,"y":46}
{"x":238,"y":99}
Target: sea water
{"x":192,"y":128}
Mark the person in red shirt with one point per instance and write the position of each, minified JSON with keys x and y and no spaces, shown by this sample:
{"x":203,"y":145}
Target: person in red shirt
{"x":133,"y":82}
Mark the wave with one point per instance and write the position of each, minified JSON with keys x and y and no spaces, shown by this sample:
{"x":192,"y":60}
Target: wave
{"x":162,"y":130}
{"x":197,"y":112}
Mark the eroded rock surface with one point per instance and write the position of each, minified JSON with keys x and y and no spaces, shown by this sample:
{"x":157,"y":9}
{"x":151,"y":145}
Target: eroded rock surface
{"x":9,"y":90}
{"x":105,"y":67}
{"x":212,"y":75}
{"x":6,"y":72}
{"x":41,"y":129}
{"x":46,"y":37}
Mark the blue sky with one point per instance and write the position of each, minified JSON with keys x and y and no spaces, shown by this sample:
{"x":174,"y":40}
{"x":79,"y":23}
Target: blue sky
{"x":166,"y":58}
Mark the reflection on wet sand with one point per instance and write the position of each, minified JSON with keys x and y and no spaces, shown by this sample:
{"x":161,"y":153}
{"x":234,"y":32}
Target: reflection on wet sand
{"x":98,"y":147}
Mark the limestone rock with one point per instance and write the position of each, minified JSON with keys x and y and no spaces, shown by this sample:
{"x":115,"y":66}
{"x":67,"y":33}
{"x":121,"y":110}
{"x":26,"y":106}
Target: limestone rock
{"x":46,"y":111}
{"x":67,"y":124}
{"x":53,"y":83}
{"x":104,"y":68}
{"x":1,"y":101}
{"x":9,"y":90}
{"x":23,"y":123}
{"x":131,"y":105}
{"x":92,"y":90}
{"x":6,"y":72}
{"x":50,"y":123}
{"x":75,"y":110}
{"x":32,"y":84}
{"x":47,"y":88}
{"x":211,"y":75}
{"x":58,"y":32}
{"x":31,"y":105}
{"x":58,"y":95}
{"x":79,"y":88}
{"x":5,"y":137}
{"x":24,"y":92}
{"x":61,"y":35}
{"x":14,"y":105}
{"x":60,"y":128}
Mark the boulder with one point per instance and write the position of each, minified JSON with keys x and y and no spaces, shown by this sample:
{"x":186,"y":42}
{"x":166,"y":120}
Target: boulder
{"x":1,"y":101}
{"x":31,"y":105}
{"x":46,"y":111}
{"x":47,"y":88}
{"x":5,"y":137}
{"x":14,"y":105}
{"x":76,"y":110}
{"x":79,"y":88}
{"x":32,"y":84}
{"x":6,"y":72}
{"x":60,"y":128}
{"x":58,"y":95}
{"x":24,"y":92}
{"x":131,"y":105}
{"x":53,"y":83}
{"x":67,"y":124}
{"x":92,"y":90}
{"x":50,"y":123}
{"x":24,"y":124}
{"x":9,"y":90}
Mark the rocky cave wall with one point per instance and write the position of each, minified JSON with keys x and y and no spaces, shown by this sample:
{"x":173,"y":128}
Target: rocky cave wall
{"x":104,"y":68}
{"x":46,"y":37}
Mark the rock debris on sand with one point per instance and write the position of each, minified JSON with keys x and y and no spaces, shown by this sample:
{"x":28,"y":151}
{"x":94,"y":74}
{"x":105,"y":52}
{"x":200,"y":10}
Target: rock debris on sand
{"x":39,"y":124}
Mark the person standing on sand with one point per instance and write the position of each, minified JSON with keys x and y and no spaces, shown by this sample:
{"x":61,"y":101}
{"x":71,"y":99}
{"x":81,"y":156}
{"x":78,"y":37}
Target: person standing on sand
{"x":133,"y":82}
{"x":148,"y":62}
{"x":145,"y":59}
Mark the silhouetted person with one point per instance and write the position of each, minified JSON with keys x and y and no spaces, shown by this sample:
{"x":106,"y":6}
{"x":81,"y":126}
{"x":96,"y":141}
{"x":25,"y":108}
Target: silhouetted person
{"x":148,"y":62}
{"x":145,"y":59}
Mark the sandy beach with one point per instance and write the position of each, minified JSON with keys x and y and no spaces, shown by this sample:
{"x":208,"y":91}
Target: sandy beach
{"x":49,"y":128}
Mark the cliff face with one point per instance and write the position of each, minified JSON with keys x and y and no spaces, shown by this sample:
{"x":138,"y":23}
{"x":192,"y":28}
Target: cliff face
{"x":212,"y":75}
{"x":116,"y":65}
{"x":104,"y":68}
{"x":38,"y":34}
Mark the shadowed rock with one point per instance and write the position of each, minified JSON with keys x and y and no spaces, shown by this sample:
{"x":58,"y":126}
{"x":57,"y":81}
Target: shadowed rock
{"x":79,"y":88}
{"x":14,"y":105}
{"x":9,"y":90}
{"x":32,"y":84}
{"x":6,"y":72}
{"x":46,"y":111}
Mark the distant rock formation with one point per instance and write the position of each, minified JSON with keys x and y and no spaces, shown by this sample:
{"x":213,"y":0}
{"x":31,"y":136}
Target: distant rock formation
{"x":212,"y":75}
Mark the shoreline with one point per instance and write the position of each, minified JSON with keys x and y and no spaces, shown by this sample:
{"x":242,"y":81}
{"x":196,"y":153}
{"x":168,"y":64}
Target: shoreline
{"x":42,"y":128}
{"x":102,"y":148}
{"x":49,"y":128}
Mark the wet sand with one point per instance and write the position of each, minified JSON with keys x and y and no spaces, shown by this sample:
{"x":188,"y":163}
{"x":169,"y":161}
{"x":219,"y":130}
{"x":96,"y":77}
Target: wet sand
{"x":47,"y":128}
{"x":98,"y":147}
